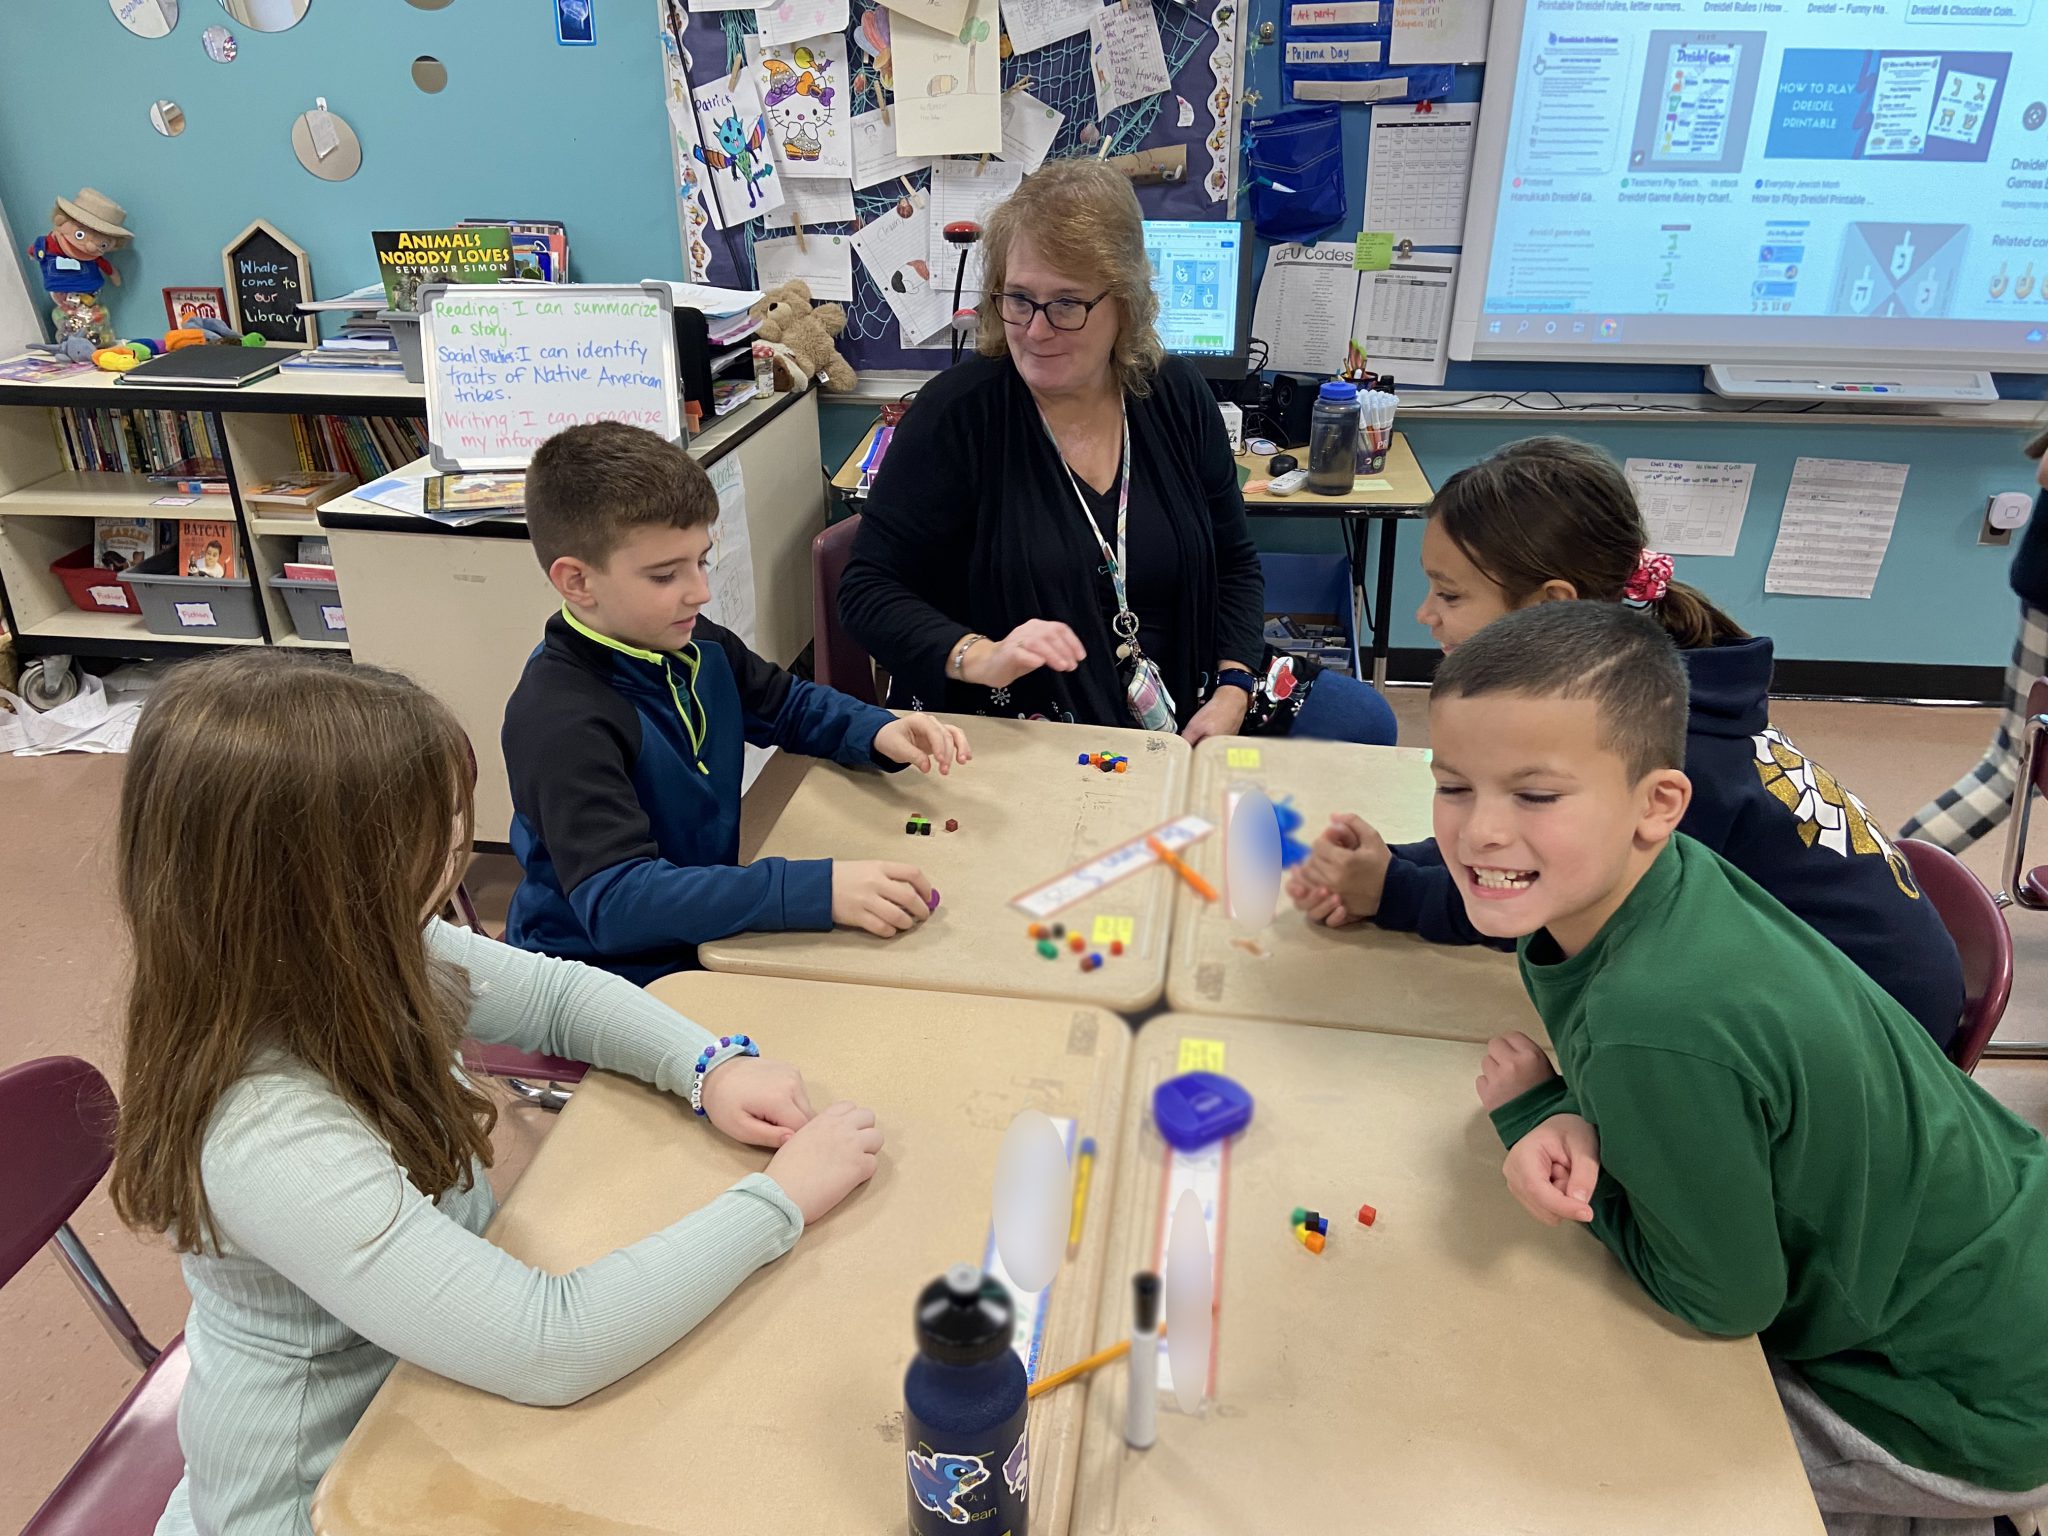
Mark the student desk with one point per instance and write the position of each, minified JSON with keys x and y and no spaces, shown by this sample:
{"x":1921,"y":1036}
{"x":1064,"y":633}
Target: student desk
{"x":782,"y":1411}
{"x":1400,"y":490}
{"x":1456,"y":1367}
{"x":1027,"y":812}
{"x":1351,"y":978}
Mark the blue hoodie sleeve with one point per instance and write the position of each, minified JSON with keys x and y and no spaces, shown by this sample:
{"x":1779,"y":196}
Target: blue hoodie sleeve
{"x":650,"y":904}
{"x":787,"y":712}
{"x":1421,"y":897}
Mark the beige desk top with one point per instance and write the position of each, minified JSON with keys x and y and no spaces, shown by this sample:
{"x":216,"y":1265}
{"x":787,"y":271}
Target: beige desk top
{"x":847,"y":476}
{"x":1027,"y":812}
{"x":786,"y":1403}
{"x":1407,"y":488}
{"x":1351,"y":978}
{"x":1455,"y":1368}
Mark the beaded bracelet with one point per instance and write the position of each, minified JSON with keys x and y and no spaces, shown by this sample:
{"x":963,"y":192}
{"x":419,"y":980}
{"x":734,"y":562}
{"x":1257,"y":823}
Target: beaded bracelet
{"x":728,"y":1046}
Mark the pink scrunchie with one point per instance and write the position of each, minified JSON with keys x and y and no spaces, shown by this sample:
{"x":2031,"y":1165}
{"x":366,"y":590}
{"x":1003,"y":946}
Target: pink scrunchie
{"x":1652,"y":578}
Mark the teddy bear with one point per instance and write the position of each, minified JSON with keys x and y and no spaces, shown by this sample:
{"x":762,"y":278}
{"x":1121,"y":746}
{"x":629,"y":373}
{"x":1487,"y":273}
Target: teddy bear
{"x":789,"y":319}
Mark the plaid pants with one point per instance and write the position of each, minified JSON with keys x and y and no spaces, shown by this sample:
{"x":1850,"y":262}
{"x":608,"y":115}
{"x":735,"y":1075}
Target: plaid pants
{"x":1983,"y":797}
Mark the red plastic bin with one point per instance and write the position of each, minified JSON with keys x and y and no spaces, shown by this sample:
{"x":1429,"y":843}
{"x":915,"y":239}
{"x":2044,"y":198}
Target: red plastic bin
{"x":91,"y":588}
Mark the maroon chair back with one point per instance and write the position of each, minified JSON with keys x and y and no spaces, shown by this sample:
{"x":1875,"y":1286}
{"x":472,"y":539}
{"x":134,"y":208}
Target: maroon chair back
{"x":57,"y":1118}
{"x":839,"y":660}
{"x":2037,"y":704}
{"x":1982,"y":939}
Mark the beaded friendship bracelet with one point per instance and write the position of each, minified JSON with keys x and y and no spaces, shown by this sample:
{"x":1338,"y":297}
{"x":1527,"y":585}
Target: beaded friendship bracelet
{"x":725,"y":1050}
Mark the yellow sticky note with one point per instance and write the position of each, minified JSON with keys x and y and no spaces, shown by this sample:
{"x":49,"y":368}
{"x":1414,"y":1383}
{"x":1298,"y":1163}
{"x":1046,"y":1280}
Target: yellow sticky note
{"x":1374,"y":251}
{"x":1200,"y":1055}
{"x":1114,"y":930}
{"x":1242,"y":757}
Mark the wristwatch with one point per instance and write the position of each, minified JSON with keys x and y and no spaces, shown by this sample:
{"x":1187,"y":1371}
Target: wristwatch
{"x":1237,"y":677}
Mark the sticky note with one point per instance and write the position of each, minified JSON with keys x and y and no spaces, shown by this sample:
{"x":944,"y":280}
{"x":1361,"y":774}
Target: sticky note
{"x":1242,"y":757}
{"x":1114,"y":930}
{"x":1200,"y":1055}
{"x":1375,"y":251}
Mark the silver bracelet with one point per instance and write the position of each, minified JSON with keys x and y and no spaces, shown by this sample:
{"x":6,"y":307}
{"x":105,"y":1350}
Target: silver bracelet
{"x":959,"y":662}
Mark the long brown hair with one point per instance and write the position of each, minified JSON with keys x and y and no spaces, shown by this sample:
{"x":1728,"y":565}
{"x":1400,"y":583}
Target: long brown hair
{"x":1556,"y":509}
{"x":285,"y":822}
{"x":1084,"y":219}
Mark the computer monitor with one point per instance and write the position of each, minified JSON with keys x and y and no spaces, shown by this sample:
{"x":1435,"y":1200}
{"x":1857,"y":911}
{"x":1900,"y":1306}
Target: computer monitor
{"x":1202,"y":272}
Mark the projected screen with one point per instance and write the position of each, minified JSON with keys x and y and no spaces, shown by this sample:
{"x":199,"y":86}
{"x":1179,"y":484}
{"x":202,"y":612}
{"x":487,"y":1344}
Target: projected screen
{"x":1198,"y":271}
{"x":1733,"y":181}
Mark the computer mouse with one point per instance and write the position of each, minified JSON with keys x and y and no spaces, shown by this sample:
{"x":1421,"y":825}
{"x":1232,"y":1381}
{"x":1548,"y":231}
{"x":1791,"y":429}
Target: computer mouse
{"x":1281,"y":464}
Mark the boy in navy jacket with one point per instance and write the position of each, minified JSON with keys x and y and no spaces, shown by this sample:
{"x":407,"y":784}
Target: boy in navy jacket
{"x":624,"y":738}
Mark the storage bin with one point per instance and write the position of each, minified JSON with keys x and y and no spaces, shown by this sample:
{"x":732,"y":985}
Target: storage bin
{"x":315,"y":608}
{"x":92,"y":587}
{"x":193,"y":607}
{"x":1314,"y":584}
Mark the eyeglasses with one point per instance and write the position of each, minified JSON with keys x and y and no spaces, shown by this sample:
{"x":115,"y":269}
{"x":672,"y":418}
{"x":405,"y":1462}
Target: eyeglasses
{"x":1060,"y":314}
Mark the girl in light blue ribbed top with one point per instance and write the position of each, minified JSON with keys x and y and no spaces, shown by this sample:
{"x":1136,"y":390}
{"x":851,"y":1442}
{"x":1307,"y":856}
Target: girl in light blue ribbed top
{"x":292,"y":1111}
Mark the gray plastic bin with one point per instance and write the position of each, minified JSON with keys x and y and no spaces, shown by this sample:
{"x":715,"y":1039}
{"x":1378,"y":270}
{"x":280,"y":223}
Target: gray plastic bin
{"x":405,"y":330}
{"x":193,"y":607}
{"x":315,"y":607}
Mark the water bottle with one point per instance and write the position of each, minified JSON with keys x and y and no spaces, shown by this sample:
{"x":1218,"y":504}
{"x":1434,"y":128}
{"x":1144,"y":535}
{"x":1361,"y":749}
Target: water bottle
{"x":1333,"y":439}
{"x":963,"y":1411}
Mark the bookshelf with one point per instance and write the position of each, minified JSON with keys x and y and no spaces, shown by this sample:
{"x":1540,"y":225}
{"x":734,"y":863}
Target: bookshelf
{"x":47,"y":507}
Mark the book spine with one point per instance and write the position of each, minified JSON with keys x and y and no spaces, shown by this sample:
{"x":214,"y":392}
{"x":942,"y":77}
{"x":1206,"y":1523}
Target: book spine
{"x":299,"y":443}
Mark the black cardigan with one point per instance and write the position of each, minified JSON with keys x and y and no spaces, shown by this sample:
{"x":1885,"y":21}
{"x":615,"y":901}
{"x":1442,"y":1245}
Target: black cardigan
{"x":972,"y":525}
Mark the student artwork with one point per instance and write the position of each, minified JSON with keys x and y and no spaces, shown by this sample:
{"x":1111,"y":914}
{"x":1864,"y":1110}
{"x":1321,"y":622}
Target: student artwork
{"x":896,"y":250}
{"x":733,"y":148}
{"x":948,"y":94}
{"x":1029,"y":127}
{"x":803,"y":91}
{"x":1036,"y":24}
{"x":692,"y":197}
{"x":74,"y":265}
{"x":873,"y":38}
{"x":875,"y":160}
{"x":947,"y":16}
{"x":790,"y":21}
{"x":1126,"y":57}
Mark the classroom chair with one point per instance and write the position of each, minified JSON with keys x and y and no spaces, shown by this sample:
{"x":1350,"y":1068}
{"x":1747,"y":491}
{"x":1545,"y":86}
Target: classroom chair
{"x":57,"y":1118}
{"x":538,"y":1079}
{"x":838,"y":659}
{"x":1973,"y":920}
{"x":2018,"y":885}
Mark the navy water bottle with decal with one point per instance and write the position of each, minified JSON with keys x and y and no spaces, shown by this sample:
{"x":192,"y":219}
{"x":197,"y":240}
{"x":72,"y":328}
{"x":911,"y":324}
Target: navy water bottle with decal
{"x":964,"y":1407}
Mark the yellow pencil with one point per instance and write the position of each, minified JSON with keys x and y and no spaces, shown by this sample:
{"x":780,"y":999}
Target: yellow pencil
{"x":1174,"y":862}
{"x":1101,"y":1357}
{"x":1084,"y":1169}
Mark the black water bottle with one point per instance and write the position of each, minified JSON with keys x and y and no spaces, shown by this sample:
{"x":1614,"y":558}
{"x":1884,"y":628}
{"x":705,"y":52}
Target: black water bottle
{"x":963,"y":1411}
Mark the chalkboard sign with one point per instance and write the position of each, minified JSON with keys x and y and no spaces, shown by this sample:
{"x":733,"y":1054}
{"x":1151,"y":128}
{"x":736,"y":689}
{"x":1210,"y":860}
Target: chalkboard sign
{"x":268,"y":278}
{"x":510,"y":365}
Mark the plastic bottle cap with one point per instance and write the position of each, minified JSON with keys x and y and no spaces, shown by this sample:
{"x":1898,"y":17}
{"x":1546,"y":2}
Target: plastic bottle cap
{"x":965,"y":1317}
{"x":1339,"y":391}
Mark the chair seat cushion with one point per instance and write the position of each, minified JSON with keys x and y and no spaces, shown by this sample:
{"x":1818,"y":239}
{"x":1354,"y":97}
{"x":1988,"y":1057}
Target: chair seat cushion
{"x":510,"y":1061}
{"x":120,"y":1485}
{"x":2033,"y":891}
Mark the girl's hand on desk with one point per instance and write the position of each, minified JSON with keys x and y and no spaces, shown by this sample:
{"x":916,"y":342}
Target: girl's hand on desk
{"x":1033,"y":644}
{"x":921,"y":741}
{"x":828,"y":1159}
{"x":1514,"y":1064}
{"x":756,"y":1100}
{"x":1553,"y":1169}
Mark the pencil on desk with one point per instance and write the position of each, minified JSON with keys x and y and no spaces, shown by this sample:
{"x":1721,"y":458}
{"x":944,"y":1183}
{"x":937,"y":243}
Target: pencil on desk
{"x":1084,"y":1172}
{"x":1174,"y":862}
{"x":1101,"y":1357}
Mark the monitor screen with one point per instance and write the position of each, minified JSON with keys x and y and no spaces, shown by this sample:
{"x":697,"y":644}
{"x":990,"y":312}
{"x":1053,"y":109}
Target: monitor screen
{"x":1722,"y":181}
{"x":1201,"y":270}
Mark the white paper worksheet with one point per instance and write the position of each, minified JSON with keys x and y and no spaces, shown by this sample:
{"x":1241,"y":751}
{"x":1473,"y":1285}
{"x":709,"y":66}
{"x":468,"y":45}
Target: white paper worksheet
{"x":1304,"y":305}
{"x":1836,"y":527}
{"x":791,"y":21}
{"x":812,"y":203}
{"x":1691,"y":506}
{"x":1126,"y":56}
{"x":965,"y":190}
{"x":874,"y":152}
{"x":1403,"y":320}
{"x":1440,"y":31}
{"x":897,"y":253}
{"x":1034,"y":24}
{"x":1417,"y":167}
{"x":823,"y":261}
{"x":1029,"y":127}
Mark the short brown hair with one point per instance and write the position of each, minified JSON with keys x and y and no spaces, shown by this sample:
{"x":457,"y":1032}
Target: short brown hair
{"x":285,"y":821}
{"x":1556,"y":509}
{"x":1085,"y":221}
{"x":1621,"y":659}
{"x":590,"y":486}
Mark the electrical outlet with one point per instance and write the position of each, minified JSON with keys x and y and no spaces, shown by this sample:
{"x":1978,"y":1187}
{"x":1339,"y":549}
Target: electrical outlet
{"x":2003,"y":513}
{"x":1991,"y":537}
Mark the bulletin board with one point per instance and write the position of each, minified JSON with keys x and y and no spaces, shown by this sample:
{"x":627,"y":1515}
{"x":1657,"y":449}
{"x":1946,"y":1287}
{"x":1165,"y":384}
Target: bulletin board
{"x":1203,"y":46}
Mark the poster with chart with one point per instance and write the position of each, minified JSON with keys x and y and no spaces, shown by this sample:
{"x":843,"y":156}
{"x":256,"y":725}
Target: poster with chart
{"x":1836,"y":527}
{"x":1691,"y":506}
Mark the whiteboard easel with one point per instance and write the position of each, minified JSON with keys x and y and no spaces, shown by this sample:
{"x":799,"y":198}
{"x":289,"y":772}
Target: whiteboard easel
{"x":508,"y":365}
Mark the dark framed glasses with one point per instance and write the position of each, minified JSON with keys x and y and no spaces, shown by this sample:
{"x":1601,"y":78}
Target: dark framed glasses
{"x":1060,"y":314}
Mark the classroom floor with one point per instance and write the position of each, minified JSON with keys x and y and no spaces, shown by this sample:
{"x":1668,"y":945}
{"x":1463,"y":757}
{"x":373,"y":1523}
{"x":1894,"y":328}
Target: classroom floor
{"x":61,"y":965}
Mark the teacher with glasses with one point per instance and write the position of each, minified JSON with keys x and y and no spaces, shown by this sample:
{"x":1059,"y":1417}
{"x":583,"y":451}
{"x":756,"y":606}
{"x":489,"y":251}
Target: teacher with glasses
{"x":1056,"y":531}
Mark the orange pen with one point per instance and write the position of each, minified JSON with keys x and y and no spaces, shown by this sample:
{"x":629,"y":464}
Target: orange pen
{"x":1174,"y":862}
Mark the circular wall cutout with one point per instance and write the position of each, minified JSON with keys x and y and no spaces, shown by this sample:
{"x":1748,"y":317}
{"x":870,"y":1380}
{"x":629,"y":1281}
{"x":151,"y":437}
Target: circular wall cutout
{"x":429,"y":74}
{"x":167,"y":118}
{"x":219,"y":43}
{"x":146,"y":18}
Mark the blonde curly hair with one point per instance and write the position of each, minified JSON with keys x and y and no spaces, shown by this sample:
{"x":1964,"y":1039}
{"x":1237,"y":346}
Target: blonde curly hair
{"x":1084,"y":221}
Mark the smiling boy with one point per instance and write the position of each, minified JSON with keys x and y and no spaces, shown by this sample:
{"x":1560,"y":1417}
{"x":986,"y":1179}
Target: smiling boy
{"x":1761,"y":1136}
{"x":624,"y":738}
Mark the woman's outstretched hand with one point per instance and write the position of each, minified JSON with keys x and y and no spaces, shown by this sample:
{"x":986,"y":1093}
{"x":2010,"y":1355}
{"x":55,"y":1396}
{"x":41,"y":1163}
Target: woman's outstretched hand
{"x":1033,"y":644}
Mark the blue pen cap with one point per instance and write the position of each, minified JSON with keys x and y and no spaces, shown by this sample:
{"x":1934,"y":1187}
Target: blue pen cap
{"x":1197,"y":1108}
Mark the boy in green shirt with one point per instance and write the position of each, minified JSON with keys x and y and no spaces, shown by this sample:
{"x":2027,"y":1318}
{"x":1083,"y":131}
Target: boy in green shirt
{"x":1766,"y":1141}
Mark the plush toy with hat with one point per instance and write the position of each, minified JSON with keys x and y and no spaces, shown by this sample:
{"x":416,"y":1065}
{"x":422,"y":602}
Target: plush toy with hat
{"x":73,"y":260}
{"x":801,"y":333}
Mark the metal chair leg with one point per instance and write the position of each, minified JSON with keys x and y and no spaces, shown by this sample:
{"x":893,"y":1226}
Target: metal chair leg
{"x":99,"y":1294}
{"x":553,"y":1098}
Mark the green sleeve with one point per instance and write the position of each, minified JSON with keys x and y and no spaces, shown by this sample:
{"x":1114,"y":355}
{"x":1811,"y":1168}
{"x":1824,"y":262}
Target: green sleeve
{"x":1685,"y":1198}
{"x":1523,"y":1113}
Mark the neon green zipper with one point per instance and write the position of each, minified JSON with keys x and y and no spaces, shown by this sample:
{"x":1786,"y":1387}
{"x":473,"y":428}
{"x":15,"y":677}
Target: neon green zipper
{"x":695,"y":726}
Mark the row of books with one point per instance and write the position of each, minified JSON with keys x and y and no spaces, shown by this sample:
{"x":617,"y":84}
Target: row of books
{"x":367,"y":447}
{"x":205,"y":547}
{"x":363,"y":344}
{"x":136,"y":442}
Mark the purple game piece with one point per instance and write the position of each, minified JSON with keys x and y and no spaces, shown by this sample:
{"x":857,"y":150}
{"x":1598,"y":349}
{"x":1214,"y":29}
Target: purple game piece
{"x":933,"y":904}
